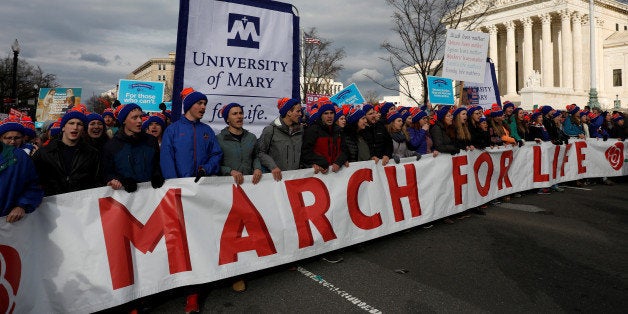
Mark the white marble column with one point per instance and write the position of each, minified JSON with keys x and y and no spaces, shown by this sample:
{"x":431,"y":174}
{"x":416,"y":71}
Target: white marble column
{"x":576,"y":20}
{"x":527,"y":47}
{"x":492,"y":48}
{"x":511,"y":74}
{"x":547,"y":54}
{"x":567,"y":52}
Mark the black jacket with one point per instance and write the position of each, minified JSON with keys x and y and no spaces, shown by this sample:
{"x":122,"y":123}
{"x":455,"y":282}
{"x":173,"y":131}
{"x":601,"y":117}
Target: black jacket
{"x":84,"y":174}
{"x":379,"y":140}
{"x":442,"y":142}
{"x":323,"y":146}
{"x":480,"y":139}
{"x":133,"y":158}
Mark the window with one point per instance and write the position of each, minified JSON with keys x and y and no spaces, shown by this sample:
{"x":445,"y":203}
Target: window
{"x":617,"y":77}
{"x":616,"y":27}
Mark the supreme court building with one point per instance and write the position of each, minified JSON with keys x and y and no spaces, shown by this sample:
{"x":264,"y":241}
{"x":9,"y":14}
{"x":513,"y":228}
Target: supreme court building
{"x":541,"y":50}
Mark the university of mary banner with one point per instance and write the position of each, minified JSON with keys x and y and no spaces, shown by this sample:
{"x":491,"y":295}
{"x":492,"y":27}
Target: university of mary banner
{"x":91,"y":250}
{"x":237,"y":51}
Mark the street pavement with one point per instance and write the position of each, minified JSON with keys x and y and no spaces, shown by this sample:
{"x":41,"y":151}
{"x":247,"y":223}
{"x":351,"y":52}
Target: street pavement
{"x":564,"y":252}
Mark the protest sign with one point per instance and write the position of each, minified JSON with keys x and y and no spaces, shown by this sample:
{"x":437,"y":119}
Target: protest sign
{"x":485,"y":93}
{"x":348,"y":95}
{"x":465,"y":55}
{"x":440,"y":90}
{"x":52,"y":103}
{"x":148,"y":95}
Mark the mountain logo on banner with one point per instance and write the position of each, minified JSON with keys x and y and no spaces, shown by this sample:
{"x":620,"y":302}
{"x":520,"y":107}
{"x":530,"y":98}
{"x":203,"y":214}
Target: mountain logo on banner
{"x":244,"y":31}
{"x":10,"y":273}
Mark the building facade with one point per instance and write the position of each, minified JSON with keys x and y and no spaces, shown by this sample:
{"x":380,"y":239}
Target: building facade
{"x":541,"y":50}
{"x":156,"y":70}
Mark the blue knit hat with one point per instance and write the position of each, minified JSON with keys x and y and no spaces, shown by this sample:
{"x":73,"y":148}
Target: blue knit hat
{"x":11,"y":124}
{"x":458,"y":111}
{"x":442,"y":112}
{"x":72,"y":114}
{"x":355,"y":114}
{"x":225,"y":110}
{"x":507,"y":104}
{"x":405,"y":113}
{"x":557,"y":113}
{"x":190,"y":97}
{"x":392,"y":116}
{"x":124,"y":110}
{"x":285,"y":104}
{"x":546,"y":109}
{"x":108,"y":112}
{"x":418,"y":116}
{"x":327,"y":106}
{"x":482,"y":119}
{"x":535,"y":115}
{"x":385,"y":108}
{"x":94,"y":116}
{"x":472,"y":109}
{"x":573,"y":109}
{"x":367,"y":107}
{"x":154,"y":118}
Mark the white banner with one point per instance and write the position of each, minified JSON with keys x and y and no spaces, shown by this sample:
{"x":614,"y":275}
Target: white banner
{"x":91,"y":250}
{"x":238,"y":51}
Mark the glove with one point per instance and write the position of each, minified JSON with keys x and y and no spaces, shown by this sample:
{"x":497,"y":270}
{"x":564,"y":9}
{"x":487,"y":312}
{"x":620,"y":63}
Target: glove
{"x":201,"y":173}
{"x":605,"y":137}
{"x":157,"y":181}
{"x":418,"y":156}
{"x":129,"y":185}
{"x":521,"y":143}
{"x":396,"y":159}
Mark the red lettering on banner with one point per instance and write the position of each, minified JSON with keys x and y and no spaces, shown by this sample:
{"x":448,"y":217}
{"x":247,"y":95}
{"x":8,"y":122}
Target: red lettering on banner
{"x":483,"y":158}
{"x":121,"y":228}
{"x":538,"y":163}
{"x":359,"y":219}
{"x":459,"y":178}
{"x":410,"y":190}
{"x":565,"y":160}
{"x":580,"y":156}
{"x":243,"y":214}
{"x":557,"y":149}
{"x":11,"y":271}
{"x":506,"y":158}
{"x":314,"y":213}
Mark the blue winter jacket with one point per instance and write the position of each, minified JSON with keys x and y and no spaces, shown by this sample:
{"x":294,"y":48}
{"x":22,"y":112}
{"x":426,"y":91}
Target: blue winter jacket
{"x":187,"y":146}
{"x":19,"y":183}
{"x":572,"y":129}
{"x":418,"y":140}
{"x":131,"y":157}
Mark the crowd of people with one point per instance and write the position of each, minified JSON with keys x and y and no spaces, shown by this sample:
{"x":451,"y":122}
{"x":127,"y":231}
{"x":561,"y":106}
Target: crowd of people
{"x":124,"y":146}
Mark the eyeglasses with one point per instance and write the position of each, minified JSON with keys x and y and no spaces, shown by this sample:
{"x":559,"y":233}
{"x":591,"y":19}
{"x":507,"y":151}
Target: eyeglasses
{"x":11,"y":138}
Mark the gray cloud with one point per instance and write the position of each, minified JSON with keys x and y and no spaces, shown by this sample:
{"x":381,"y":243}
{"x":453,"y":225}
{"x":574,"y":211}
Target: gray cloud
{"x":95,"y":58}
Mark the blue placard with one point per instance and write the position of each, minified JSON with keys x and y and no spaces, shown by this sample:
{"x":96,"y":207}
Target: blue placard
{"x":440,"y":90}
{"x":148,"y":95}
{"x":349,"y":95}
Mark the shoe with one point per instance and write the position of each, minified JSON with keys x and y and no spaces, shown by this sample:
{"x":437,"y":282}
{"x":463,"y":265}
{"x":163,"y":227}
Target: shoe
{"x":191,"y":304}
{"x":608,"y":182}
{"x":463,"y":215}
{"x":239,"y":286}
{"x":448,"y":221}
{"x":495,"y":202}
{"x":544,"y":191}
{"x":332,"y":258}
{"x":557,"y":189}
{"x":579,"y":183}
{"x":483,"y":206}
{"x":427,"y":226}
{"x":506,"y":198}
{"x":517,"y":195}
{"x":477,"y":211}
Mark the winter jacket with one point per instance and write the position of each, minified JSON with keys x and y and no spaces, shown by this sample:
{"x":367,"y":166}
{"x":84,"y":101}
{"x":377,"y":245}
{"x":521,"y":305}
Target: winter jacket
{"x":479,"y":139}
{"x":511,"y":124}
{"x":187,"y":146}
{"x":238,"y":155}
{"x":419,"y":140}
{"x":595,"y":127}
{"x":442,"y":142}
{"x":323,"y":145}
{"x":538,"y":131}
{"x":571,"y":129}
{"x":19,"y":183}
{"x":400,"y":147}
{"x":357,"y":148}
{"x":133,"y":158}
{"x":379,"y":140}
{"x":280,"y":146}
{"x":56,"y":179}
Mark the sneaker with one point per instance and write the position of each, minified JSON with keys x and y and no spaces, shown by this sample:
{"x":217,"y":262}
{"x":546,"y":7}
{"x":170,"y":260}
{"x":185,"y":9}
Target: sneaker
{"x":239,"y":286}
{"x":427,"y":226}
{"x":448,"y":221}
{"x":495,"y":202}
{"x":544,"y":191}
{"x":332,"y":258}
{"x":506,"y":198}
{"x":191,"y":304}
{"x":517,"y":195}
{"x":608,"y":182}
{"x":557,"y":189}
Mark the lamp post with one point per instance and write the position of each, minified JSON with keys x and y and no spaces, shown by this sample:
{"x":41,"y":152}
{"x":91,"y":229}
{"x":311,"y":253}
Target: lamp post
{"x":593,"y":101}
{"x":16,"y":51}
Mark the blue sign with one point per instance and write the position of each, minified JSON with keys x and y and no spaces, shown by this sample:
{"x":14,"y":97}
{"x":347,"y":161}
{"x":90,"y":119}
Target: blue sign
{"x":349,"y":95}
{"x":440,"y":90}
{"x":148,"y":95}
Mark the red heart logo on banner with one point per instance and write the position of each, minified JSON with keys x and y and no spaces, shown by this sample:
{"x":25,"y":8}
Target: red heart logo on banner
{"x":615,"y":155}
{"x":10,"y":273}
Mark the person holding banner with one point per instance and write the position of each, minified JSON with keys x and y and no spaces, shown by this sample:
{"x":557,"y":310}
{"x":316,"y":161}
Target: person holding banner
{"x":95,"y":135}
{"x":19,"y":184}
{"x":280,"y":142}
{"x":131,"y":156}
{"x":399,"y":134}
{"x":375,"y":134}
{"x":572,"y":125}
{"x":155,"y":126}
{"x":463,"y":136}
{"x":357,"y":148}
{"x":443,"y":132}
{"x":419,"y":133}
{"x":510,"y":122}
{"x":323,"y":144}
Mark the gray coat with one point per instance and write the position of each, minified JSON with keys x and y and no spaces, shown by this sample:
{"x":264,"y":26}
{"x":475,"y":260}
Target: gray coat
{"x":238,"y":155}
{"x":280,"y":147}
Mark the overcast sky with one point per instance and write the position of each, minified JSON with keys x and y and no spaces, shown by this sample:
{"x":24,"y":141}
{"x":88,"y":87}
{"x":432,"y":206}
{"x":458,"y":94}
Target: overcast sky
{"x":92,"y":44}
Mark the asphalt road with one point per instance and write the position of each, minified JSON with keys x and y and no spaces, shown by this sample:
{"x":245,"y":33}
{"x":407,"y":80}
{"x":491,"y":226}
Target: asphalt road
{"x":565,"y":252}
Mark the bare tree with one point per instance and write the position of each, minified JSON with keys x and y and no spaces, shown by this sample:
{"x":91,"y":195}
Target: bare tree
{"x":29,"y":79}
{"x":320,"y":64}
{"x":422,"y":27}
{"x":371,"y":97}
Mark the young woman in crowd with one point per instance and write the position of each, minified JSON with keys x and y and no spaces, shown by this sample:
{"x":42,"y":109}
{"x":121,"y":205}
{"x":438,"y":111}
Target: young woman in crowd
{"x":357,"y":148}
{"x":443,"y":133}
{"x":572,"y":126}
{"x":463,"y":135}
{"x":522,"y":121}
{"x":96,"y":135}
{"x":155,"y":126}
{"x":500,"y":135}
{"x":399,"y":135}
{"x":419,"y":133}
